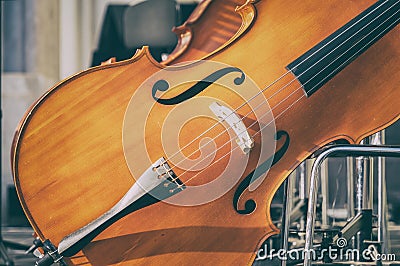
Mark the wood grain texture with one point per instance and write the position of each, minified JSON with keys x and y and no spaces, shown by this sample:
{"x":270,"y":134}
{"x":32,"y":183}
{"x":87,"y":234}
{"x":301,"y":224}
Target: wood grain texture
{"x":69,"y":164}
{"x":209,"y":28}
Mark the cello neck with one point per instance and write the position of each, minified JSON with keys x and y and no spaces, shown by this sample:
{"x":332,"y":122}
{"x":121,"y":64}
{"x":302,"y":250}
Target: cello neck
{"x":321,"y":63}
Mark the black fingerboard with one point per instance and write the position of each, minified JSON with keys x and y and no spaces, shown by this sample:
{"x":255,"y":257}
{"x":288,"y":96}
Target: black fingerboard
{"x":320,"y":64}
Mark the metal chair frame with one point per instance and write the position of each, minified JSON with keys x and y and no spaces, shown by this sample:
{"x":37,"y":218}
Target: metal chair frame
{"x":340,"y":151}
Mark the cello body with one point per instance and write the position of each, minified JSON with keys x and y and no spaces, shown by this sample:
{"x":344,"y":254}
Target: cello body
{"x":68,"y":157}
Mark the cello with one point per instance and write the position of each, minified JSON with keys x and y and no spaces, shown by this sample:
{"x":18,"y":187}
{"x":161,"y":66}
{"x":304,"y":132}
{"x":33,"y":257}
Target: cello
{"x":324,"y":74}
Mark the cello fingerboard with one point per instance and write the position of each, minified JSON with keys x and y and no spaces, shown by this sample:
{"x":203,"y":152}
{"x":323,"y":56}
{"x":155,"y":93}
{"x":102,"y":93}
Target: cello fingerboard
{"x":321,"y":63}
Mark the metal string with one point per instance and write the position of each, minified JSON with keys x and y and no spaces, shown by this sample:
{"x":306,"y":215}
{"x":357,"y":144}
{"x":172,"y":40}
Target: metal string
{"x":285,"y":87}
{"x":273,"y":83}
{"x":349,"y":59}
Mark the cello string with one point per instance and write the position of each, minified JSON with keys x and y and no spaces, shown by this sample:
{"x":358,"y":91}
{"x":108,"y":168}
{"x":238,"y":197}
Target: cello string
{"x":307,"y":82}
{"x":172,"y":156}
{"x":285,"y":86}
{"x":349,"y":59}
{"x":273,"y":83}
{"x":233,"y":112}
{"x":283,"y":111}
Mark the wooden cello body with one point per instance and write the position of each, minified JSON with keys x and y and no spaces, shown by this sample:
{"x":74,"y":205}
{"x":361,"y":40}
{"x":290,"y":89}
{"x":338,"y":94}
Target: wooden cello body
{"x":211,"y":26}
{"x":70,"y":165}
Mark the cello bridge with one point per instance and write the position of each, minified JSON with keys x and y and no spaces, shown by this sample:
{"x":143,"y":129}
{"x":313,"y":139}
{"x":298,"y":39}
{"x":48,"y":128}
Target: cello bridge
{"x":244,"y":140}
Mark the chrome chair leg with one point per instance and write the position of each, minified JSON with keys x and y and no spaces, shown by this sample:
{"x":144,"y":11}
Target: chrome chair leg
{"x":383,"y":235}
{"x":286,"y":215}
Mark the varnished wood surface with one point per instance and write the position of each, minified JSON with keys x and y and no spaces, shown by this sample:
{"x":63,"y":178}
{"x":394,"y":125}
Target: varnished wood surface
{"x":208,"y":28}
{"x":70,"y":168}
